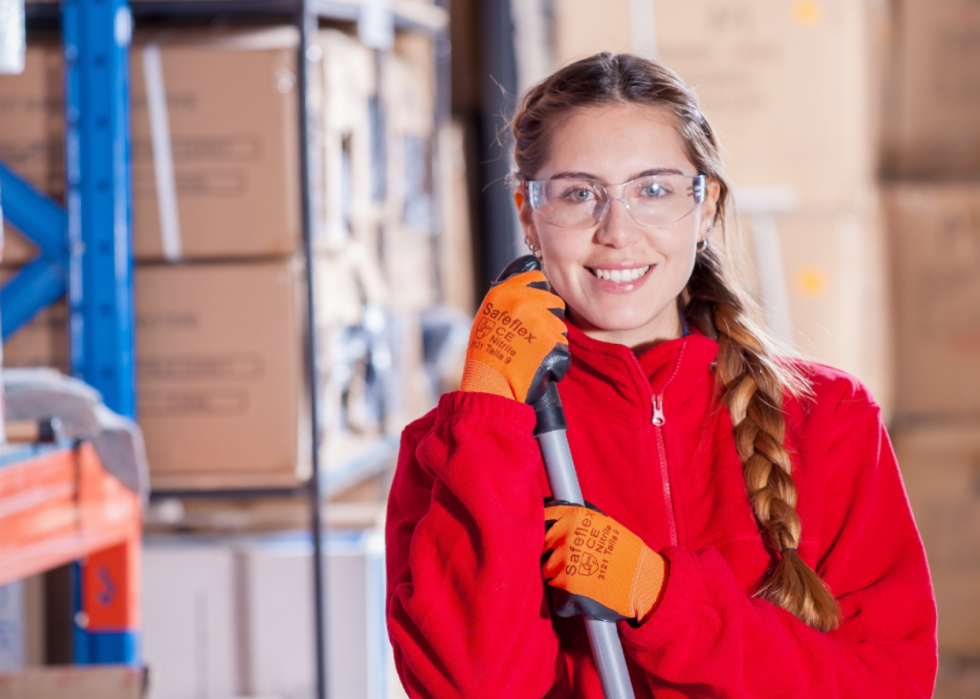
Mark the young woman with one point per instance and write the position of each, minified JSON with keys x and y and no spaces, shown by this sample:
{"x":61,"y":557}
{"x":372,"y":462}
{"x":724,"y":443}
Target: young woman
{"x":754,"y":536}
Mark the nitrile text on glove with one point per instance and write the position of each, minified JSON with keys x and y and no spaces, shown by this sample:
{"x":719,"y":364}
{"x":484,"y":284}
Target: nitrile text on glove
{"x":601,"y":542}
{"x":510,"y":327}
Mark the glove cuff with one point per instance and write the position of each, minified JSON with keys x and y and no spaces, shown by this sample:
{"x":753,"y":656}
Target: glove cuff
{"x":479,"y":378}
{"x":649,"y":583}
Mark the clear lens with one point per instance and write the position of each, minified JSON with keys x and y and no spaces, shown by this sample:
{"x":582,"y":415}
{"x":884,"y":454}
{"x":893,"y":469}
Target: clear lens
{"x":652,"y":201}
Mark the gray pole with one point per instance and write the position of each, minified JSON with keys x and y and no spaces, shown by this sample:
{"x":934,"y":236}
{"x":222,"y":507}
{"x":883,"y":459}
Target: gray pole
{"x":603,"y":637}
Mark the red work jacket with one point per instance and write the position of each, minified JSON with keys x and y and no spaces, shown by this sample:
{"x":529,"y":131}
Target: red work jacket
{"x":466,"y":605}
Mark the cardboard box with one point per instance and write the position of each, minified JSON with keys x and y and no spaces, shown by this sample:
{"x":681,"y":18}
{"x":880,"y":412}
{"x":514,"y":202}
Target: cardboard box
{"x":42,"y":342}
{"x":278,"y":606}
{"x":933,"y":124}
{"x":941,"y":469}
{"x":234,"y":616}
{"x":934,"y":233}
{"x":231,"y":124}
{"x":101,"y":682}
{"x":191,"y":621}
{"x":219,"y":356}
{"x":233,"y":143}
{"x":834,"y":270}
{"x":958,"y":678}
{"x":787,"y":86}
{"x":32,"y":133}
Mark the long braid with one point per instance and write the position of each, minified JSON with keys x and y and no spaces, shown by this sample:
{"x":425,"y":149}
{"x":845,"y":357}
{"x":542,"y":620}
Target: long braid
{"x":753,"y":380}
{"x":754,"y":386}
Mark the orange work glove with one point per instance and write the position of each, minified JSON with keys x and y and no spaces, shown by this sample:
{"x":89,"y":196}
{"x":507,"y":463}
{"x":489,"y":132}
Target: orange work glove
{"x":518,"y":339}
{"x":598,"y":568}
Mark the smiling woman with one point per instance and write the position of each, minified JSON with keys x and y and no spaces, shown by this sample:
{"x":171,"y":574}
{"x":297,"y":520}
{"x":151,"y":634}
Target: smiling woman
{"x":755,"y":537}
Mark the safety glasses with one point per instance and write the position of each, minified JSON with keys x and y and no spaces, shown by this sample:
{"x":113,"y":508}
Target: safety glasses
{"x":656,"y":200}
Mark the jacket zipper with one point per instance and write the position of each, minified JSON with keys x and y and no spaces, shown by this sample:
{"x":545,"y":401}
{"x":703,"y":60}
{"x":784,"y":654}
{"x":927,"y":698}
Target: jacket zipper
{"x":659,"y":420}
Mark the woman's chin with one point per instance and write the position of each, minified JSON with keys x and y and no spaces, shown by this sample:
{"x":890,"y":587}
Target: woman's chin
{"x":614,"y":322}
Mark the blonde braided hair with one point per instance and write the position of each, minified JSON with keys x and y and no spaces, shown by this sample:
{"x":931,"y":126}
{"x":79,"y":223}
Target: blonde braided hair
{"x":754,"y":382}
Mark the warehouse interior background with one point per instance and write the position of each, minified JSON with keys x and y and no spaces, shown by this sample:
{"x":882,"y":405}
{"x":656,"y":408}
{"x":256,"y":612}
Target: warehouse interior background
{"x":317,"y":203}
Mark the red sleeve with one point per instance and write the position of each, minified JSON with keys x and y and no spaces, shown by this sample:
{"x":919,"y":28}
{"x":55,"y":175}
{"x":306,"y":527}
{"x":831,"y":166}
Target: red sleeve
{"x":467,"y":613}
{"x":709,"y":639}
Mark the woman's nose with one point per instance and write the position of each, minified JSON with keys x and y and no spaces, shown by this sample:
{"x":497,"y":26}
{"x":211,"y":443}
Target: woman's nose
{"x":617,"y":228}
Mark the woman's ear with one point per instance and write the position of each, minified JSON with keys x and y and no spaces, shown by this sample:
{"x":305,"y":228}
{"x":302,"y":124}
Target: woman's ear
{"x":524,"y":214}
{"x":710,"y":208}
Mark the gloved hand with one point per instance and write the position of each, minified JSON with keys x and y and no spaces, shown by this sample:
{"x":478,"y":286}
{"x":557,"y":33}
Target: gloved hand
{"x":518,"y":341}
{"x":598,"y":568}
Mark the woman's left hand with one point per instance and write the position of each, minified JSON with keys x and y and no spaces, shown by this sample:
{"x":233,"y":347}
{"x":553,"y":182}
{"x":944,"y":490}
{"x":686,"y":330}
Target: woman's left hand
{"x":598,"y":568}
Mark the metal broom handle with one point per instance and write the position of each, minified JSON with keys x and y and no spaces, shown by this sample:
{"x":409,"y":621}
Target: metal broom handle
{"x":603,"y":636}
{"x":550,"y":432}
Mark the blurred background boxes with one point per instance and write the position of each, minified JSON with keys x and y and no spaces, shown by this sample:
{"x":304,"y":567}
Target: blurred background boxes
{"x":220,"y":377}
{"x":230,"y":135}
{"x":233,"y":616}
{"x":850,"y":131}
{"x":935,"y":235}
{"x":106,"y":682}
{"x":941,"y":469}
{"x":766,"y":72}
{"x":932,"y":124}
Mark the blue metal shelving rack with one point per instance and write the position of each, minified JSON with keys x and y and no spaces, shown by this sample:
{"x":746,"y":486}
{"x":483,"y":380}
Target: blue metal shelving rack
{"x":86,"y":244}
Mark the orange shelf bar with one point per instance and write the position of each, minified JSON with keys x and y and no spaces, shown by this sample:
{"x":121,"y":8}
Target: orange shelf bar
{"x":60,"y":505}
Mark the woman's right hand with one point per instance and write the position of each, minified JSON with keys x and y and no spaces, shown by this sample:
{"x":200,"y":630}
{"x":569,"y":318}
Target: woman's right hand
{"x":518,"y":342}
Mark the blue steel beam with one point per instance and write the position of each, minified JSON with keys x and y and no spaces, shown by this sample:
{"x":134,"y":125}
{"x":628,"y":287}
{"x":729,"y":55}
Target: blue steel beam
{"x":37,"y":216}
{"x":96,"y":36}
{"x":36,"y":286}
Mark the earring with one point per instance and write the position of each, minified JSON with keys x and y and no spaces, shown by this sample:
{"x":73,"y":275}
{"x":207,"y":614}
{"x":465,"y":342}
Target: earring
{"x":702,"y":244}
{"x":535,"y":250}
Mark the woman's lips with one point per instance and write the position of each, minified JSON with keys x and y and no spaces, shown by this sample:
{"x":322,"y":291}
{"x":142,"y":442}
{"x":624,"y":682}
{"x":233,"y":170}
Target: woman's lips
{"x":619,"y":280}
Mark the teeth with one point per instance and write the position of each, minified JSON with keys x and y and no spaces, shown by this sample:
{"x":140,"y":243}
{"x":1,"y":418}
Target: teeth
{"x":621,"y":275}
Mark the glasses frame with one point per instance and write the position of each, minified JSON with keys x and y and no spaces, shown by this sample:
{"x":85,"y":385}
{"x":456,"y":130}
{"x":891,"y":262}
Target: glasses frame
{"x":699,"y":184}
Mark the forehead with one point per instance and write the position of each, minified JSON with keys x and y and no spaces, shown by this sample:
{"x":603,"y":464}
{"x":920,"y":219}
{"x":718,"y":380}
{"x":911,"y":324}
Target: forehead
{"x":615,"y":142}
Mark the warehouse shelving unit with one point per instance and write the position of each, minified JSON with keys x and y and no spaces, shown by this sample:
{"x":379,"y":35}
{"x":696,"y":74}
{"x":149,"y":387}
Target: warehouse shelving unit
{"x":85,"y":250}
{"x":58,"y":505}
{"x":86,"y":245}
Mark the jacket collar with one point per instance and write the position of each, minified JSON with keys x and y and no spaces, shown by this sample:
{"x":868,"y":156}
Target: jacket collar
{"x":673,"y":368}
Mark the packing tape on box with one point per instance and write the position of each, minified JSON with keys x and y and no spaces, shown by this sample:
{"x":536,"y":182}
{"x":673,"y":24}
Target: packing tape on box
{"x":163,"y":154}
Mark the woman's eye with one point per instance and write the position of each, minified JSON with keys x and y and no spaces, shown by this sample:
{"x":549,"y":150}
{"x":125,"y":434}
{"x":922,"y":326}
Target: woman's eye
{"x":654,"y":190}
{"x":579,"y":194}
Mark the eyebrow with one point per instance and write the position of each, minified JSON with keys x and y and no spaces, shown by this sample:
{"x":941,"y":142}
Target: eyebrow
{"x":646,"y":173}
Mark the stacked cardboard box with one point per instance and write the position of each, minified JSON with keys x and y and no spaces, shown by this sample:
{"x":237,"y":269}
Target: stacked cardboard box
{"x":932,"y":158}
{"x":234,"y":617}
{"x":789,"y":87}
{"x":220,"y":283}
